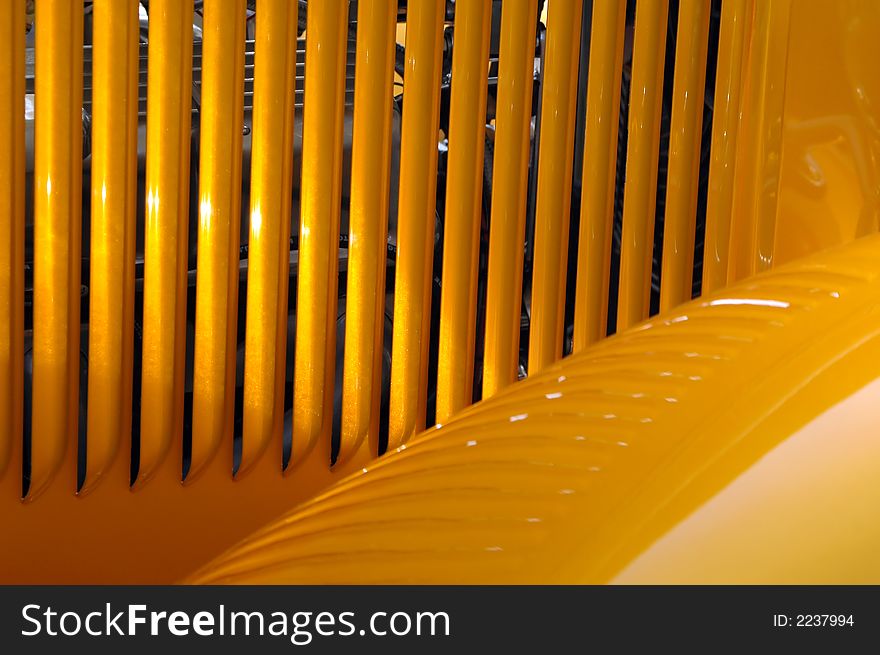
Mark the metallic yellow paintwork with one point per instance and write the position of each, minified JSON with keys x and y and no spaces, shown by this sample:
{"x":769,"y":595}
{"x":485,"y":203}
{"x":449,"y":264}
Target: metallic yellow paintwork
{"x":112,"y":255}
{"x":320,"y":200}
{"x":730,"y":440}
{"x":553,"y":210}
{"x":464,"y":195}
{"x":828,"y":190}
{"x":368,"y":226}
{"x":683,"y":177}
{"x":218,"y":233}
{"x":269,"y":238}
{"x":169,"y":107}
{"x":57,"y":241}
{"x":722,"y":441}
{"x":732,"y":41}
{"x":158,"y":531}
{"x":12,"y":166}
{"x":642,"y":152}
{"x":416,"y":211}
{"x":600,"y":159}
{"x":509,"y":187}
{"x":757,"y":174}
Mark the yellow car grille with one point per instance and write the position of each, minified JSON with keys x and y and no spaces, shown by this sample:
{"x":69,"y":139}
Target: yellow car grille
{"x":739,"y":231}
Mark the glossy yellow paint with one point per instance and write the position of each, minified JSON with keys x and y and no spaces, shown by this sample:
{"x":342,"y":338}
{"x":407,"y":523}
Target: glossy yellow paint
{"x":158,"y":531}
{"x":57,"y":239}
{"x":12,"y":190}
{"x":464,"y":196}
{"x":112,"y":255}
{"x":320,"y":198}
{"x":721,"y":442}
{"x":368,"y":226}
{"x":218,"y":233}
{"x":600,"y":159}
{"x":509,"y":186}
{"x":269,"y":237}
{"x":642,"y":152}
{"x":759,"y":143}
{"x":553,"y":210}
{"x":777,"y":92}
{"x":416,"y":212}
{"x":686,"y":130}
{"x":197,"y":519}
{"x":696,"y":447}
{"x":736,"y":18}
{"x":169,"y":117}
{"x":828,"y":185}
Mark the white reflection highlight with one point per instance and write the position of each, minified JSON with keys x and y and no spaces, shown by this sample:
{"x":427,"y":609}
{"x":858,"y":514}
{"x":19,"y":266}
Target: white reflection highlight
{"x":758,"y":302}
{"x":205,"y":212}
{"x":256,"y":222}
{"x":518,"y":417}
{"x":152,"y":201}
{"x":552,"y":396}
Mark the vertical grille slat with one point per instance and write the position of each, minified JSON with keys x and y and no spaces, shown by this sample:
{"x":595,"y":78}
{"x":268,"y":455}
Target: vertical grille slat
{"x":321,"y":189}
{"x":114,"y":191}
{"x":12,"y":212}
{"x":416,"y":221}
{"x":368,"y":226}
{"x":553,"y":216}
{"x":756,"y":181}
{"x":218,"y":232}
{"x":683,"y":178}
{"x":57,"y":238}
{"x":169,"y":102}
{"x":464,"y":193}
{"x":732,"y":40}
{"x":269,"y":239}
{"x":640,"y":188}
{"x":509,"y":188}
{"x":600,"y":159}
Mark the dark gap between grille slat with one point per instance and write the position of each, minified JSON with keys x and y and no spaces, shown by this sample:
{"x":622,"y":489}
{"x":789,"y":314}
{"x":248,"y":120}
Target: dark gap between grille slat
{"x":663,"y":155}
{"x":706,"y":147}
{"x":620,"y":172}
{"x":580,"y":121}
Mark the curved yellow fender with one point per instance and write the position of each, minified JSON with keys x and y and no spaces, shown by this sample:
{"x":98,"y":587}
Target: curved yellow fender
{"x":732,"y":440}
